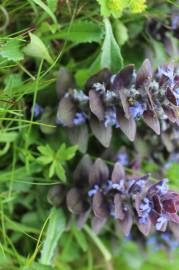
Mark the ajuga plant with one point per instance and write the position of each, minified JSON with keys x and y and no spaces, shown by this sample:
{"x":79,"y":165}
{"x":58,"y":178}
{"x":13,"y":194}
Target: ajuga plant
{"x":122,"y":101}
{"x":114,"y":193}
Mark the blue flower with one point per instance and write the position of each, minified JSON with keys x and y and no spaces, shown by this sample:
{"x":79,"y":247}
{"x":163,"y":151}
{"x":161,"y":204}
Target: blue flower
{"x":110,"y":118}
{"x":162,"y":220}
{"x":162,"y":187}
{"x":145,"y":207}
{"x":79,"y":119}
{"x":37,"y":110}
{"x":137,"y":110}
{"x":175,"y":21}
{"x":167,"y":72}
{"x":93,"y":191}
{"x":176,"y":93}
{"x":80,"y":96}
{"x":122,"y":157}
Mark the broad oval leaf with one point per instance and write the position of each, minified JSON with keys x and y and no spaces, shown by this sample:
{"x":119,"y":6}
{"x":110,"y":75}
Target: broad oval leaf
{"x":152,"y":121}
{"x":144,"y":74}
{"x":96,"y":105}
{"x":66,"y":111}
{"x":102,"y":133}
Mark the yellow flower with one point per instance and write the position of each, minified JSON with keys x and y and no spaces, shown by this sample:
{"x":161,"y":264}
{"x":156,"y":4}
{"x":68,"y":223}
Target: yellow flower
{"x":115,"y":5}
{"x":138,"y":6}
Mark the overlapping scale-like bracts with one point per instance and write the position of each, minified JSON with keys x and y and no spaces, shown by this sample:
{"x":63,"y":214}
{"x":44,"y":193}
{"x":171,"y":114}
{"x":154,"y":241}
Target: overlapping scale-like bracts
{"x":121,"y":100}
{"x":102,"y":193}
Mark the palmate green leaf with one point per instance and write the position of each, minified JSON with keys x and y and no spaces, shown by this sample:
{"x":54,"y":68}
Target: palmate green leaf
{"x":11,"y":50}
{"x":36,"y":48}
{"x":45,"y":150}
{"x":55,"y":229}
{"x":60,"y":172}
{"x":111,"y":54}
{"x":80,"y":32}
{"x":45,"y":160}
{"x":65,"y":153}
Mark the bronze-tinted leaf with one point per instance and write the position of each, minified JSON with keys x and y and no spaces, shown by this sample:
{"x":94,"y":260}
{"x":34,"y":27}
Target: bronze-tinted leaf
{"x":126,"y":223}
{"x":170,"y":113}
{"x":154,"y":216}
{"x":66,"y":111}
{"x":102,"y":76}
{"x":157,"y":204}
{"x":65,"y":81}
{"x":102,"y":133}
{"x":167,"y":142}
{"x":98,"y":224}
{"x":137,"y":203}
{"x":118,"y":207}
{"x":118,"y":173}
{"x":171,"y":97}
{"x":125,"y":104}
{"x":56,"y":195}
{"x":82,"y":219}
{"x":128,"y":126}
{"x":144,"y":74}
{"x":99,"y":205}
{"x":145,"y":228}
{"x":79,"y":135}
{"x":96,"y":105}
{"x":82,"y":171}
{"x":169,"y":206}
{"x":123,"y":79}
{"x":173,"y":217}
{"x":75,"y":202}
{"x":152,"y":121}
{"x":99,"y":173}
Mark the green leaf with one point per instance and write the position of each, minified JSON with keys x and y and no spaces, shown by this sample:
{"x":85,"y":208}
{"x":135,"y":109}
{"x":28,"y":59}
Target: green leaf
{"x":45,"y":150}
{"x":52,"y":4}
{"x":8,"y":136}
{"x":81,"y":77}
{"x":45,"y":160}
{"x":111,"y":54}
{"x":80,"y":238}
{"x":46,"y":9}
{"x":120,"y":32}
{"x":60,"y":172}
{"x":81,"y":32}
{"x":11,"y":50}
{"x":36,"y":48}
{"x":55,"y":229}
{"x":52,"y":169}
{"x":38,"y":266}
{"x":65,"y":153}
{"x":172,"y":173}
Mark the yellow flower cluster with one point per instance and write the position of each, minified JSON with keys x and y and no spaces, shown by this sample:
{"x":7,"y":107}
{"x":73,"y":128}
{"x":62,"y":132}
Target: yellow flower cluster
{"x":115,"y":5}
{"x":137,"y":6}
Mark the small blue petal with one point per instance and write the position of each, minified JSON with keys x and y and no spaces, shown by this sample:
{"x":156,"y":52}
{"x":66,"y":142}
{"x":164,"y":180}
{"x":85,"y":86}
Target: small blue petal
{"x":137,"y":110}
{"x":79,"y":119}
